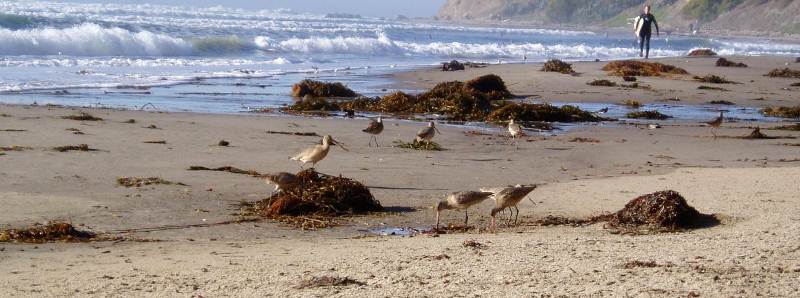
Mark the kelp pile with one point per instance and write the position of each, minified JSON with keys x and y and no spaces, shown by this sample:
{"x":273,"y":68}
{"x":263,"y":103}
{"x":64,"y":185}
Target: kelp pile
{"x":793,"y":127}
{"x":452,"y":66}
{"x":81,"y":147}
{"x":320,"y":197}
{"x":784,"y":73}
{"x":541,"y":112}
{"x":480,"y":99}
{"x":663,"y":211}
{"x":713,"y":79}
{"x":53,"y":231}
{"x":721,"y":102}
{"x":702,"y":53}
{"x":783,"y":112}
{"x":602,"y":83}
{"x":82,"y":116}
{"x":722,"y":62}
{"x":417,"y":145}
{"x":321,"y":89}
{"x":650,"y":115}
{"x":556,"y":65}
{"x":641,"y":68}
{"x":139,"y":182}
{"x":631,"y":103}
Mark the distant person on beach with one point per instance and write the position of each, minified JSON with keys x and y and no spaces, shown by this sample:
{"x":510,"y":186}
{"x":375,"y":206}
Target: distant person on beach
{"x":644,"y":29}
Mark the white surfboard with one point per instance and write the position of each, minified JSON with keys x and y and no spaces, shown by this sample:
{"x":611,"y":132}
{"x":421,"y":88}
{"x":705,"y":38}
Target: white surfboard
{"x":637,"y":25}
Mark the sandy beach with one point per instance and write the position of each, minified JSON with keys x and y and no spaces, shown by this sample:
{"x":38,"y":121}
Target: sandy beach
{"x":176,"y":246}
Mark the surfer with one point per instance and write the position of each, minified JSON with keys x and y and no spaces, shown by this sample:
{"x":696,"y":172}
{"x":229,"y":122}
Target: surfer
{"x":644,"y":29}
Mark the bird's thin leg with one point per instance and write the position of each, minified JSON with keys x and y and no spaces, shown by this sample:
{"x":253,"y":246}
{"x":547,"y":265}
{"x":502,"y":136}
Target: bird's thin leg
{"x":376,"y":141}
{"x":510,"y":215}
{"x":713,"y":132}
{"x":517,"y":217}
{"x":437,"y":220}
{"x":493,"y":227}
{"x":466,"y":218}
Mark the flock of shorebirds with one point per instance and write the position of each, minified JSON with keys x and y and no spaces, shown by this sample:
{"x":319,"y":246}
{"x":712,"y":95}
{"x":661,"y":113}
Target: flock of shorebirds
{"x":504,"y":197}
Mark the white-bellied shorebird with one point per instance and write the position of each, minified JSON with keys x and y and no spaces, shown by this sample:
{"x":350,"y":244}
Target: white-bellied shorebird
{"x":461,"y":200}
{"x":508,"y":197}
{"x":426,"y":134}
{"x":716,"y":123}
{"x":374,"y":128}
{"x":281,"y":180}
{"x":515,"y":130}
{"x":317,"y":152}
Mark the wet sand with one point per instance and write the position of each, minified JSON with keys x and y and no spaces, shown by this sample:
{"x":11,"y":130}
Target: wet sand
{"x":751,"y":184}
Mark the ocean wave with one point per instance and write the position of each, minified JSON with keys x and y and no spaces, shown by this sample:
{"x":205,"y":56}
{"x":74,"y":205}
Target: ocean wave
{"x":90,"y":40}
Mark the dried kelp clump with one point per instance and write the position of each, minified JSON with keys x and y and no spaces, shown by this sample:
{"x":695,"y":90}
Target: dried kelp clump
{"x":714,"y":79}
{"x":452,"y":66}
{"x":663,"y":211}
{"x":81,"y":147}
{"x":793,"y":127}
{"x":53,"y":231}
{"x":542,"y":112}
{"x":556,"y":65}
{"x":783,"y":112}
{"x":721,"y":102}
{"x":722,"y":62}
{"x":491,"y":86}
{"x":602,"y":83}
{"x":702,"y":53}
{"x":82,"y":116}
{"x":228,"y":169}
{"x":631,"y":103}
{"x":641,"y":68}
{"x":417,"y":145}
{"x":650,"y":115}
{"x":321,"y":89}
{"x":318,"y":195}
{"x":139,"y":182}
{"x":784,"y":73}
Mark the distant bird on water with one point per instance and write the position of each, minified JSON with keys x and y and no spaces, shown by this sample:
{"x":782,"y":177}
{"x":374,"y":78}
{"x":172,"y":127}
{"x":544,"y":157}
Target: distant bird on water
{"x":281,"y":180}
{"x":461,"y":200}
{"x":316,"y":153}
{"x":426,"y":134}
{"x":374,"y":128}
{"x":506,"y":198}
{"x":716,"y":123}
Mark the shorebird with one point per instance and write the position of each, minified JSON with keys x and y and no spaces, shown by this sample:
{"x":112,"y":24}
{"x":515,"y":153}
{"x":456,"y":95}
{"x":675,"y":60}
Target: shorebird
{"x":317,"y":152}
{"x":515,"y":130}
{"x":426,"y":134}
{"x":281,"y":180}
{"x":461,"y":200}
{"x":715,"y":124}
{"x":602,"y":111}
{"x":508,"y":197}
{"x":374,"y":128}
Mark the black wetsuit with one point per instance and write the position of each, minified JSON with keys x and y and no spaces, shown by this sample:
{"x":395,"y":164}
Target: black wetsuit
{"x":644,"y":34}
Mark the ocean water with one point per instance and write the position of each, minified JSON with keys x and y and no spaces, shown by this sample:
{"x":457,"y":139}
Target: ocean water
{"x":225,"y":60}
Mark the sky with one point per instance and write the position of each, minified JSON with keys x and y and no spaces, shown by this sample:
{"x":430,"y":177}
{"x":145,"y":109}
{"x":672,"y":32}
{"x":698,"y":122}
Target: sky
{"x":374,"y":8}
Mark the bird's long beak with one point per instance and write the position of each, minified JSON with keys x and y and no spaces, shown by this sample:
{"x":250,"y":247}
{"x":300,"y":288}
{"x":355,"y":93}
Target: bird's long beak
{"x":337,"y":143}
{"x":437,"y":130}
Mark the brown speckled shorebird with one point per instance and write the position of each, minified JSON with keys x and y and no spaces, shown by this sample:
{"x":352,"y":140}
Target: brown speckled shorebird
{"x":509,"y":197}
{"x":426,"y":134}
{"x":461,"y":200}
{"x":375,"y":128}
{"x":716,"y":123}
{"x":281,"y":180}
{"x":316,"y":153}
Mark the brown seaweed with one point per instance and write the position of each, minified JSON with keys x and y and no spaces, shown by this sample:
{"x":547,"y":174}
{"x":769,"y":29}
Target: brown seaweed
{"x":641,"y":68}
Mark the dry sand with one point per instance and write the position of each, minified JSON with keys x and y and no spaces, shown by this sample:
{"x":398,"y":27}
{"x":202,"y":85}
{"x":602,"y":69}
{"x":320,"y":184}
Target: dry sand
{"x":751,"y":184}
